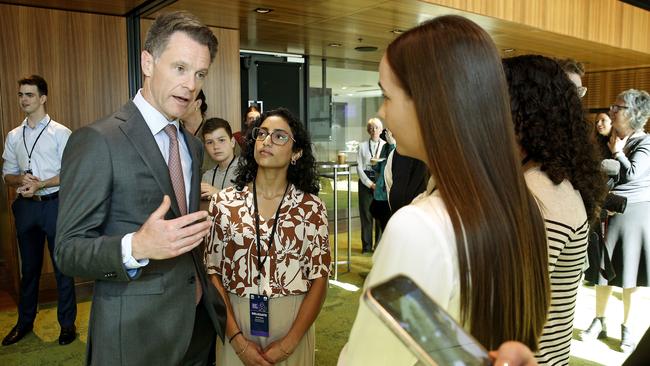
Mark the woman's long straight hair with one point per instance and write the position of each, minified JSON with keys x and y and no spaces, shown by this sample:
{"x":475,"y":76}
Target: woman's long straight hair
{"x":451,"y":70}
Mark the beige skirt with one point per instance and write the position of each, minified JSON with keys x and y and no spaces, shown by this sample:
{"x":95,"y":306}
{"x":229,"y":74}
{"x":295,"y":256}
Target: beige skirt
{"x":282,"y":313}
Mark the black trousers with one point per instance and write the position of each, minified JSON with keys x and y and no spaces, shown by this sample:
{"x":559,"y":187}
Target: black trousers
{"x":365,"y":199}
{"x":36,"y":221}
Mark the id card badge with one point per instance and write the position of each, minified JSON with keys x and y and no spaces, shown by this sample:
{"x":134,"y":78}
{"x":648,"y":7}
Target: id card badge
{"x":259,"y":310}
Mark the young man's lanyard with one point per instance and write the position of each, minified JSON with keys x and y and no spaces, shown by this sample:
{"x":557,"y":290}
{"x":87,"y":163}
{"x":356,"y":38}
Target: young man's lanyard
{"x":260,"y":263}
{"x":29,"y":153}
{"x":223,"y":181}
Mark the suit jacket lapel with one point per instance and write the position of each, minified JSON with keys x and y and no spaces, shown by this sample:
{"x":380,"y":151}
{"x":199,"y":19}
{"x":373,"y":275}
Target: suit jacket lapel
{"x":139,"y":134}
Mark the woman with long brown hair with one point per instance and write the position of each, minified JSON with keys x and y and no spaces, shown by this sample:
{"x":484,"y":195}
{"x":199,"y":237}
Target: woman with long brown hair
{"x":475,"y":243}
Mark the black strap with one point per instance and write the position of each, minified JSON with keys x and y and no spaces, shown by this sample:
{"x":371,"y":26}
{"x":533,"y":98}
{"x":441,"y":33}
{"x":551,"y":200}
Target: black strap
{"x":261,"y":263}
{"x":225,"y":175}
{"x":376,"y":149}
{"x":29,"y":153}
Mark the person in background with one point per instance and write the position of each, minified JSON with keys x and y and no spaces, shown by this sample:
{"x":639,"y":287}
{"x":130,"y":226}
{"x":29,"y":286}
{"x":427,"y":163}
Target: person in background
{"x":251,"y":116}
{"x":562,"y":170}
{"x":575,"y":71}
{"x":598,"y":260}
{"x":367,"y":157}
{"x":406,"y":178}
{"x":269,"y":248}
{"x":195,"y":116}
{"x":476,"y":227}
{"x":628,"y":233}
{"x":129,"y":219}
{"x":379,"y":207}
{"x":603,"y":128}
{"x":219,"y":143}
{"x":32,"y":163}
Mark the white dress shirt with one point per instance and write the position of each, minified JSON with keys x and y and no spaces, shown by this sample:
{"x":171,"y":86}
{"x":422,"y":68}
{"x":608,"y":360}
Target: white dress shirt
{"x":46,"y":154}
{"x":156,"y":122}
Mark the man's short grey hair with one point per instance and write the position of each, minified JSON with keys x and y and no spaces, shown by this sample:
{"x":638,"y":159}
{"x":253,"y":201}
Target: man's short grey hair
{"x":638,"y":107}
{"x":178,"y":21}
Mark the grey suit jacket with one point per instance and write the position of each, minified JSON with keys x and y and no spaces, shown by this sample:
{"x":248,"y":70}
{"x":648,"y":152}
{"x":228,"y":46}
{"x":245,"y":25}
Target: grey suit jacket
{"x":113,"y":177}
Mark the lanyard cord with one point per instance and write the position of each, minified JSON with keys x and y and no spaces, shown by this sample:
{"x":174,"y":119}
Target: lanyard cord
{"x":29,"y":153}
{"x":260,"y":263}
{"x":214,"y":173}
{"x":376,"y":149}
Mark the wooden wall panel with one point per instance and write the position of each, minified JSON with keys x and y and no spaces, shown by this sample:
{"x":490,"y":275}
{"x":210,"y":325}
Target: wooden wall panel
{"x":222,"y":87}
{"x":610,"y":22}
{"x":603,"y":87}
{"x":81,"y":56}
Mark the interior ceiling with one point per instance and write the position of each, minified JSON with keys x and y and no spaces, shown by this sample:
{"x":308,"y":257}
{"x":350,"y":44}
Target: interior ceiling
{"x":110,"y":7}
{"x":309,"y":26}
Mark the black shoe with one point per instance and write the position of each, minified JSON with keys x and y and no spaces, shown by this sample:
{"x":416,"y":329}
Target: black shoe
{"x":68,"y":334}
{"x":16,"y":334}
{"x":597,"y":329}
{"x":627,"y":345}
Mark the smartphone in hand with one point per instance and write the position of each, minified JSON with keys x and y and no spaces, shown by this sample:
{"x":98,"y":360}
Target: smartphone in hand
{"x":433,"y":336}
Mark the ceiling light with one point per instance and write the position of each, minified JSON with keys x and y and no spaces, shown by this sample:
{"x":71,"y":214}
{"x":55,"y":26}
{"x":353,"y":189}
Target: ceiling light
{"x":344,"y":87}
{"x":508,"y":50}
{"x":397,"y":31}
{"x":366,"y":48}
{"x":334,"y":44}
{"x":263,"y":10}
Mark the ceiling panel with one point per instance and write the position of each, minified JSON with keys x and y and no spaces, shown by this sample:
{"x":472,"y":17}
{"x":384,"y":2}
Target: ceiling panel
{"x":112,"y":7}
{"x":310,"y":26}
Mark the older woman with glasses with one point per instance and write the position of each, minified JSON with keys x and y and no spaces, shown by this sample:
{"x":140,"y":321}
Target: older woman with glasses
{"x":628,"y":234}
{"x":268,"y":251}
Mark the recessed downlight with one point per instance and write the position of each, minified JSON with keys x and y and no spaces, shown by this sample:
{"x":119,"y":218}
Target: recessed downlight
{"x":366,"y":48}
{"x":263,"y":10}
{"x":335,"y":45}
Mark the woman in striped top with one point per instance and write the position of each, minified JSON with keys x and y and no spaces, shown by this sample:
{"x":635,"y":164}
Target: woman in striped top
{"x":562,"y":171}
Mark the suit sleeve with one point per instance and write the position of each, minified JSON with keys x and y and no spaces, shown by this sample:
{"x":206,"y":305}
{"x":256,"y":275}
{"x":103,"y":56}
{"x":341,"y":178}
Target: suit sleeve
{"x":85,"y":195}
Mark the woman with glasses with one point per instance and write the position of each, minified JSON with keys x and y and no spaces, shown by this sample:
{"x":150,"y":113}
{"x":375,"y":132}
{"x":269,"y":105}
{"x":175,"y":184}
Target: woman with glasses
{"x":628,"y":233}
{"x":562,"y":170}
{"x":268,"y":251}
{"x":475,"y":243}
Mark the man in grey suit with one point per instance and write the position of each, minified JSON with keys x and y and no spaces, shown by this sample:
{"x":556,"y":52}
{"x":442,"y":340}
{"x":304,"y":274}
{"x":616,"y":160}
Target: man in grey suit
{"x":152,"y":302}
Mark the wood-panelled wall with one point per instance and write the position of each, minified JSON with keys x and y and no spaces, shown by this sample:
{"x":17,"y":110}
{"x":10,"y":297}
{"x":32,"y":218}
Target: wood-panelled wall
{"x":222,"y":87}
{"x":83,"y":59}
{"x":610,"y":22}
{"x":603,"y":87}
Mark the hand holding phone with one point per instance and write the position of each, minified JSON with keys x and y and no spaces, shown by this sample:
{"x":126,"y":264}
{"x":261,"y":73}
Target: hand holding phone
{"x":433,"y":336}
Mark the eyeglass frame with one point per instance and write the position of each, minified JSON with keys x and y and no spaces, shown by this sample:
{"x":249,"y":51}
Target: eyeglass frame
{"x":271,"y":133}
{"x":615,"y":108}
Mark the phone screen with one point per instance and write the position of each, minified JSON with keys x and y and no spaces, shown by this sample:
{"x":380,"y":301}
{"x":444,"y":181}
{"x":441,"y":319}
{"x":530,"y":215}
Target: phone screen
{"x":434,"y":331}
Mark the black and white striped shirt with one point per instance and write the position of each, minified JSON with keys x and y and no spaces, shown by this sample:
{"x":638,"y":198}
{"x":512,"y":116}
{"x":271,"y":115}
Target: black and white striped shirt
{"x":567,"y":231}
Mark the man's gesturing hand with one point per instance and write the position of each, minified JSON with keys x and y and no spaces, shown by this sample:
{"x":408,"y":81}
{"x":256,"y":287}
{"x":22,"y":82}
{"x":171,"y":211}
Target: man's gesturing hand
{"x":161,"y":239}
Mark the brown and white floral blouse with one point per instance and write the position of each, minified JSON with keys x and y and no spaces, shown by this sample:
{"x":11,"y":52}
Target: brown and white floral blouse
{"x":300,"y":250}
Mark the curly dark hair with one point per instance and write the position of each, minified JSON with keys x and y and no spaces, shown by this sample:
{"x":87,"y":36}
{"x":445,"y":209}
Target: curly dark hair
{"x":550,"y":123}
{"x":303,"y":174}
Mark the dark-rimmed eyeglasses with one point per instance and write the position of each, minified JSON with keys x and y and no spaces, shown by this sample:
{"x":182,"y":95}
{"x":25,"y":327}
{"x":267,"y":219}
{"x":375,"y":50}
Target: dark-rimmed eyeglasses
{"x":614,"y":108}
{"x":278,"y":137}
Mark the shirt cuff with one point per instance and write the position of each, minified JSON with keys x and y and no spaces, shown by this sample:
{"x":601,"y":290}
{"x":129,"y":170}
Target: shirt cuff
{"x":131,"y":264}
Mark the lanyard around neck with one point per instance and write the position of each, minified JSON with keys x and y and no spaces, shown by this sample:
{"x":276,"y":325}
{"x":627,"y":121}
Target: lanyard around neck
{"x":373,"y":155}
{"x":29,"y":153}
{"x":260,"y":263}
{"x":225,"y":175}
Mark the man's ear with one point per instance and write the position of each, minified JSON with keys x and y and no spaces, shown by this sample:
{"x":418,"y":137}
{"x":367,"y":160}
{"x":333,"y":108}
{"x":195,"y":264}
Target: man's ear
{"x":146,"y":63}
{"x":42,"y":99}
